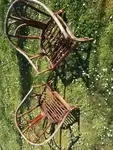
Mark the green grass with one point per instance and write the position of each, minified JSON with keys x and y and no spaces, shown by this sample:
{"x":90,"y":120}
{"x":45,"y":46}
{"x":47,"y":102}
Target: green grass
{"x":96,"y":101}
{"x":9,"y":94}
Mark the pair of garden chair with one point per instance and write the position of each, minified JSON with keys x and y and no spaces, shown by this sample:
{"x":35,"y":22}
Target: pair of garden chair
{"x":31,"y":22}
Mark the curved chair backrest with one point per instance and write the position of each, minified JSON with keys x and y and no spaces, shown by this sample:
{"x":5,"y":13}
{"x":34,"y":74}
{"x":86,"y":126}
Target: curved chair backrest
{"x":29,"y":21}
{"x":49,"y":106}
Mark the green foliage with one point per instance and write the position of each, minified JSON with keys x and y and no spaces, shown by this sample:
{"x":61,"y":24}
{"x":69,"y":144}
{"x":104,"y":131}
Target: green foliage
{"x":9,"y":94}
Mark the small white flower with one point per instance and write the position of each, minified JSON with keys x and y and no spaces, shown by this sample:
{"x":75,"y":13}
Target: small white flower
{"x":104,"y":69}
{"x":112,"y":87}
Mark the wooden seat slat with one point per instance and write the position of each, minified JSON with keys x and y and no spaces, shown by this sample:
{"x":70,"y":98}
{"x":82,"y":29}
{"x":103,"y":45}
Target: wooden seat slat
{"x":55,"y":109}
{"x":52,"y":107}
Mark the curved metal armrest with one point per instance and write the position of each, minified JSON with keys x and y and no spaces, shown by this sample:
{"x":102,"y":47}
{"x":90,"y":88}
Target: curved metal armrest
{"x":51,"y":136}
{"x":35,"y":122}
{"x":32,"y":124}
{"x":44,"y":7}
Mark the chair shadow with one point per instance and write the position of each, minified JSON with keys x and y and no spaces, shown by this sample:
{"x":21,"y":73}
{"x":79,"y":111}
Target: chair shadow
{"x":75,"y":66}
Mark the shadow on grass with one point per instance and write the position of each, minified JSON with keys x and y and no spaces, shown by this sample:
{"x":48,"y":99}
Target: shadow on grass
{"x":24,"y":69}
{"x":74,"y":67}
